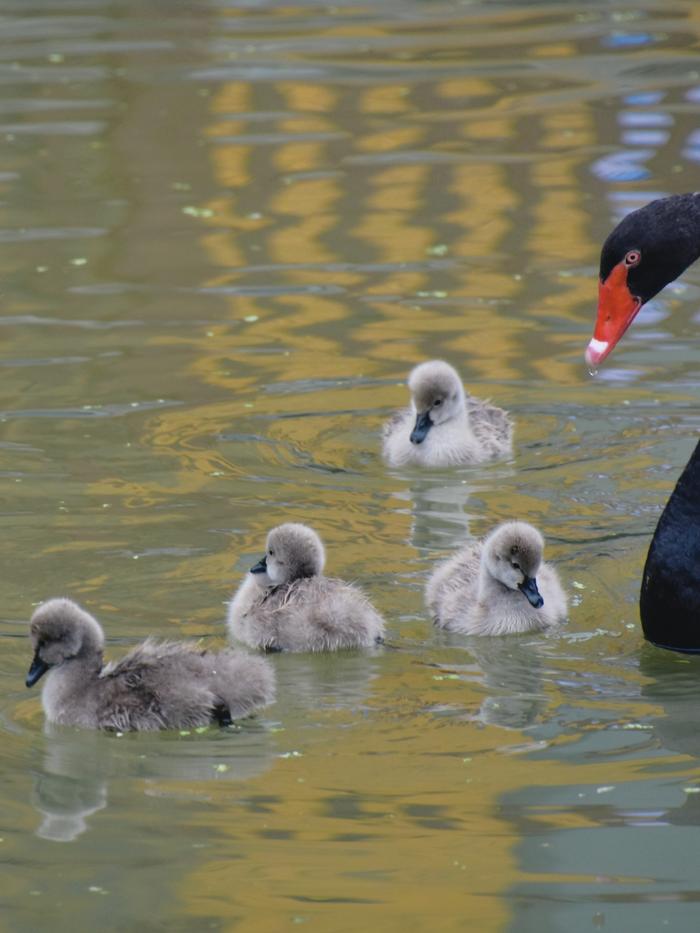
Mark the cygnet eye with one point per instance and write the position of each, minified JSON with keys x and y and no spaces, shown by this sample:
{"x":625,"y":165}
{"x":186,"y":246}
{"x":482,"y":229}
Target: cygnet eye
{"x":437,"y":402}
{"x":271,"y":552}
{"x":517,"y":566}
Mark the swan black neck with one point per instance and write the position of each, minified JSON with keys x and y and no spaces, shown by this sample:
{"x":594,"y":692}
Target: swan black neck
{"x":669,"y":603}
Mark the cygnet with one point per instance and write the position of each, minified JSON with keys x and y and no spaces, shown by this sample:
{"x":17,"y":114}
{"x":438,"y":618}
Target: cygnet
{"x":497,"y":586}
{"x":444,"y":426}
{"x":157,"y":685}
{"x":286,"y":604}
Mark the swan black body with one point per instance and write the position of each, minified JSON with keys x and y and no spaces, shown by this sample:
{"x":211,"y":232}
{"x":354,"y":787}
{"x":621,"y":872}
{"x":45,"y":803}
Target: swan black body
{"x":669,"y":603}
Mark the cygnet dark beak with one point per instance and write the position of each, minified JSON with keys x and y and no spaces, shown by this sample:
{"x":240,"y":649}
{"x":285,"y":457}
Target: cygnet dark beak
{"x":529,"y":589}
{"x":261,"y":566}
{"x":36,"y":671}
{"x":422,"y":426}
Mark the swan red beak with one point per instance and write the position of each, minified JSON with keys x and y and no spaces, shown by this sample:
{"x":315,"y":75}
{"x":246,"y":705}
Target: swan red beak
{"x":617,"y":308}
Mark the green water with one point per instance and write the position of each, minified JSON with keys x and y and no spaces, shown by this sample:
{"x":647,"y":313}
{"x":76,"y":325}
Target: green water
{"x":227,"y":231}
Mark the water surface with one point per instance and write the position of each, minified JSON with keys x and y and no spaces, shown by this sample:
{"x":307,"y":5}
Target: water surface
{"x":227,"y":232}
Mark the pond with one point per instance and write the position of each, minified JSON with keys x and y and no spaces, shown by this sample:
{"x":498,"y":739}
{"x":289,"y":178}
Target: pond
{"x":227,"y":232}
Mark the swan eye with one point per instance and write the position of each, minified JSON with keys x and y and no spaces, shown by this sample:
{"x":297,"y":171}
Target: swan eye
{"x":633,"y":258}
{"x":517,"y":566}
{"x":437,"y":402}
{"x":271,"y":552}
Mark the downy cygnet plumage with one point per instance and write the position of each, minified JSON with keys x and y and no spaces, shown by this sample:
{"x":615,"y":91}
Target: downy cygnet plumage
{"x":497,"y":586}
{"x":443,"y":426}
{"x":286,"y":604}
{"x":157,"y":685}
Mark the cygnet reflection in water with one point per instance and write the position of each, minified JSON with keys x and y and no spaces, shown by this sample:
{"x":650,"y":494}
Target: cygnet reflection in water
{"x":65,"y":804}
{"x":512,"y":677}
{"x":79,"y":766}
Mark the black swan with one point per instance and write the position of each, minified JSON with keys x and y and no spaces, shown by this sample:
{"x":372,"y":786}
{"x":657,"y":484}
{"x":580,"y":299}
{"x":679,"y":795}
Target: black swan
{"x":669,"y":603}
{"x":648,"y":249}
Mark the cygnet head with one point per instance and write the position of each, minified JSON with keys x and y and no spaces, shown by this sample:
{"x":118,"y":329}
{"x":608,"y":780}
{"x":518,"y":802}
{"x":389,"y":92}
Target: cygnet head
{"x":60,"y":631}
{"x":513,"y":554}
{"x":437,"y":394}
{"x":292,"y":551}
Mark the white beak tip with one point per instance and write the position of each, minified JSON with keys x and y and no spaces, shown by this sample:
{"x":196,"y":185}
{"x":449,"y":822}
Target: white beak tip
{"x":596,"y":351}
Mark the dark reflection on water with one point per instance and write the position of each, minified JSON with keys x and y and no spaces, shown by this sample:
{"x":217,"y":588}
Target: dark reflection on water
{"x":674,"y":685}
{"x":228,"y":231}
{"x":596,"y":830}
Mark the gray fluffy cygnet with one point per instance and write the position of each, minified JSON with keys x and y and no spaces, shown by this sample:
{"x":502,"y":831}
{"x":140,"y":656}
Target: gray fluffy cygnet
{"x":497,"y":586}
{"x":286,"y":604}
{"x":444,"y":426}
{"x":158,"y":685}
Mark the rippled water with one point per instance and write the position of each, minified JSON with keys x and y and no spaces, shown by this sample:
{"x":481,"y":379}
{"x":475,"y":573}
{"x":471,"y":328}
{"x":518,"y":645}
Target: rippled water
{"x":227,"y":231}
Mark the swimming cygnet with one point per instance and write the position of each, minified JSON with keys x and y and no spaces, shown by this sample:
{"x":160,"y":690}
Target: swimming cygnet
{"x":443,"y":426}
{"x":286,"y":604}
{"x":158,"y":685}
{"x":497,"y":586}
